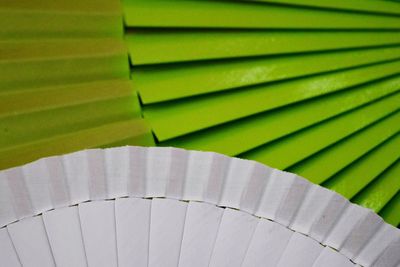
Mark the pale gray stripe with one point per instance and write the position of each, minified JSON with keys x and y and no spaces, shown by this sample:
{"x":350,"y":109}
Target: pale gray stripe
{"x":291,"y":203}
{"x":390,"y":257}
{"x":219,"y":169}
{"x":362,"y":232}
{"x":137,"y":176}
{"x":179,"y":162}
{"x":253,"y":193}
{"x":7,"y":212}
{"x":20,"y":195}
{"x":322,"y":227}
{"x":58,"y":186}
{"x":97,"y":175}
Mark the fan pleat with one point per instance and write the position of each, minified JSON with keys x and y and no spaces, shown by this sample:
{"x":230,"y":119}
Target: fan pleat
{"x":238,"y":14}
{"x":384,"y":187}
{"x":64,"y":80}
{"x":368,"y":6}
{"x":231,"y":206}
{"x":281,"y":82}
{"x":391,"y":211}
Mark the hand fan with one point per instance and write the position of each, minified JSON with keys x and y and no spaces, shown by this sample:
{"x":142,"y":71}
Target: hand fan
{"x":135,"y":206}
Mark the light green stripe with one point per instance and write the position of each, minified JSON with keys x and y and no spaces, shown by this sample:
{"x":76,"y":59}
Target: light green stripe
{"x":391,"y":212}
{"x":251,"y":132}
{"x":287,"y":151}
{"x":233,"y":14}
{"x":354,"y":178}
{"x":161,"y":83}
{"x":153,"y":46}
{"x":381,"y":190}
{"x":200,"y":113}
{"x":329,"y":162}
{"x":373,"y":6}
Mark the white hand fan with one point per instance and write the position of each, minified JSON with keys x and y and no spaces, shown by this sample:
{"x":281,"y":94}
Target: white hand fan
{"x":134,"y":206}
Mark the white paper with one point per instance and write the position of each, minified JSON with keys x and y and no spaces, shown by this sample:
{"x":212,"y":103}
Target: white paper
{"x":198,"y":172}
{"x":98,"y":231}
{"x":237,"y":178}
{"x":201,"y":229}
{"x":37,"y":181}
{"x":117,"y":171}
{"x":331,"y":258}
{"x":166,"y":230}
{"x":362,"y":233}
{"x":132,"y":218}
{"x":377,"y":244}
{"x":157,"y":171}
{"x":234,"y":236}
{"x":214,"y":179}
{"x":275,"y":192}
{"x":215,"y":183}
{"x":177,"y":175}
{"x":31,"y":243}
{"x":65,"y":237}
{"x":343,"y":227}
{"x":8,"y":255}
{"x":267,"y":245}
{"x":327,"y":220}
{"x":301,"y":251}
{"x":292,"y":201}
{"x":97,"y":174}
{"x":57,"y":182}
{"x":311,"y":209}
{"x":137,"y":177}
{"x":390,"y":256}
{"x":255,"y":188}
{"x":20,"y":198}
{"x":77,"y":175}
{"x":7,"y":213}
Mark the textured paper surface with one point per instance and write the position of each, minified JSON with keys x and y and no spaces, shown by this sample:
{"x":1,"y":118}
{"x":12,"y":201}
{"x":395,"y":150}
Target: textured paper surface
{"x":30,"y":241}
{"x":201,"y":229}
{"x":166,"y":230}
{"x":8,"y":254}
{"x":267,"y":244}
{"x":163,"y":230}
{"x":234,"y":236}
{"x":132,"y":219}
{"x":98,"y":231}
{"x":64,"y":233}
